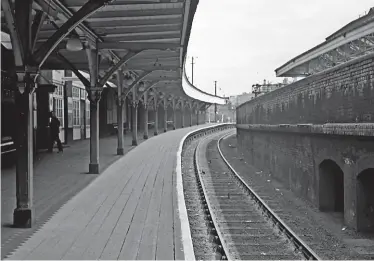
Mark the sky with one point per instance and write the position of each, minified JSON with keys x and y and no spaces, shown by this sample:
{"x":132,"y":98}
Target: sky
{"x":241,"y":42}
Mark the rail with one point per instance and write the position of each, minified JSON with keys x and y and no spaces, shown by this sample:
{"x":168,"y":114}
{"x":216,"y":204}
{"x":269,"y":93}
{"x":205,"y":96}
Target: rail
{"x":299,"y":244}
{"x":185,"y":228}
{"x":219,"y":239}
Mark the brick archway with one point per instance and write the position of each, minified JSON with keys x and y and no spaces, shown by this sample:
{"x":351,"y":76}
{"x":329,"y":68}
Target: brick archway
{"x":365,"y":200}
{"x":331,"y":187}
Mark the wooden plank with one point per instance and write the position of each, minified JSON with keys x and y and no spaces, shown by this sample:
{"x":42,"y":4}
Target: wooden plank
{"x":138,"y":14}
{"x":123,"y":205}
{"x":130,"y":247}
{"x":142,"y":37}
{"x":138,"y":45}
{"x":84,"y":240}
{"x":178,"y":244}
{"x":147,"y":247}
{"x":165,"y":241}
{"x":69,"y":229}
{"x":116,"y":239}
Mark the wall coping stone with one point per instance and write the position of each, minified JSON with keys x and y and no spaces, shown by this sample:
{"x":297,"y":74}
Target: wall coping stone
{"x":347,"y":129}
{"x":305,"y":81}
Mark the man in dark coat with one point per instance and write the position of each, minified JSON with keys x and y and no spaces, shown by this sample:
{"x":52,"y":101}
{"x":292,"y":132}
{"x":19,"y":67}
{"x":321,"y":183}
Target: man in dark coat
{"x":54,"y":127}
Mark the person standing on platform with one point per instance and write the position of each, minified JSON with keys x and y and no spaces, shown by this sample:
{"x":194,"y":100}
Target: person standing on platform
{"x":54,"y":126}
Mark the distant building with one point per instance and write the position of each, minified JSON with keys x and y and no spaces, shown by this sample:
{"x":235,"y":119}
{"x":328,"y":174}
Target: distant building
{"x":225,"y":113}
{"x":236,"y":100}
{"x":266,"y":87}
{"x":269,"y":87}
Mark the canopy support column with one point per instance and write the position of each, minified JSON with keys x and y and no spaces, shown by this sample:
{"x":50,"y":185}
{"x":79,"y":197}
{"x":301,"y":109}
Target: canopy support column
{"x":22,"y":215}
{"x":94,"y":95}
{"x":120,"y":102}
{"x":191,"y":112}
{"x":145,"y":115}
{"x":19,"y":24}
{"x":197,"y":116}
{"x":156,"y":114}
{"x":128,"y":113}
{"x":174,"y":115}
{"x":165,"y":114}
{"x":134,"y":118}
{"x":182,"y":113}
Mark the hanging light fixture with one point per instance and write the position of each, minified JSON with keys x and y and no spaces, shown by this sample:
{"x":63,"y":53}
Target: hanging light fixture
{"x":141,"y":86}
{"x":74,"y":44}
{"x":128,"y":79}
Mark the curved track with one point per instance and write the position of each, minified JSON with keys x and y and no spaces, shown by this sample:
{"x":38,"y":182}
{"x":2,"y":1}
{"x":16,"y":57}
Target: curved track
{"x":244,"y":227}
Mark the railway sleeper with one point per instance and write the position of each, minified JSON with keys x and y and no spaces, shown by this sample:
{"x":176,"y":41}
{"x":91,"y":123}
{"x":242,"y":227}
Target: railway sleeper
{"x":268,"y":250}
{"x":250,"y":215}
{"x":246,"y":230}
{"x":235,"y":225}
{"x":255,"y":238}
{"x":269,"y":257}
{"x":249,"y":209}
{"x":244,"y":245}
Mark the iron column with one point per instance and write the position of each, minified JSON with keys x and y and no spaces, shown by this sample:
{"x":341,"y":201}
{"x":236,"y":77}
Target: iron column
{"x":215,"y":105}
{"x":192,"y":63}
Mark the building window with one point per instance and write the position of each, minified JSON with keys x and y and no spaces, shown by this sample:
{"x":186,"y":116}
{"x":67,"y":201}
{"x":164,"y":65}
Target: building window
{"x":59,"y":91}
{"x":75,"y":92}
{"x":83,"y":94}
{"x":59,"y":110}
{"x":76,"y":113}
{"x":88,"y":116}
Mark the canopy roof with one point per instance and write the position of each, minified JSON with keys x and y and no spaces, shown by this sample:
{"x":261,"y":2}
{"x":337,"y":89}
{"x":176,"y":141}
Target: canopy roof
{"x":198,"y":94}
{"x":146,"y":39}
{"x":352,"y":41}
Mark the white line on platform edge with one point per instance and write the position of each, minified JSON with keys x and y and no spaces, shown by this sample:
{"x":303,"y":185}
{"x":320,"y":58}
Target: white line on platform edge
{"x":188,"y":251}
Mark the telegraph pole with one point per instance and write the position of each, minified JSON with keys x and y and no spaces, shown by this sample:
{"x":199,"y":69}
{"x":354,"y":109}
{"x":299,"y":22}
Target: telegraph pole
{"x":215,"y":105}
{"x":192,"y":63}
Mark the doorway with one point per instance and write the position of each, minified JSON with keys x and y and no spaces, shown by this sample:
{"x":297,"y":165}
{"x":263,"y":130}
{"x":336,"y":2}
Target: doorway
{"x":365,"y":201}
{"x":331,"y":187}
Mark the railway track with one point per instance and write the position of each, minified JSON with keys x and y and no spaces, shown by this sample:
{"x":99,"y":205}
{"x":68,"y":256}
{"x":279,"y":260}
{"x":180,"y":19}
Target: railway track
{"x":242,"y":225}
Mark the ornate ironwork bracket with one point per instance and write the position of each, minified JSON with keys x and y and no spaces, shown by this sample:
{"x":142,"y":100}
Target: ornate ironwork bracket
{"x":26,"y":79}
{"x":94,"y":95}
{"x":120,"y":100}
{"x":134,"y":103}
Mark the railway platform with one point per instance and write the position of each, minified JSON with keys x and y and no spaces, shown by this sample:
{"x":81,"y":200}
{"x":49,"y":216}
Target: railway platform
{"x":130,"y":211}
{"x":57,"y":178}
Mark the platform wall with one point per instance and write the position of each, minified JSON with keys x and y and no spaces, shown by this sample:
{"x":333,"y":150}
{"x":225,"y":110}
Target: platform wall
{"x":283,"y":132}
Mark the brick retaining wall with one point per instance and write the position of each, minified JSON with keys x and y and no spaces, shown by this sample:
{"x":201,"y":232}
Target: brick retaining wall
{"x":291,"y":131}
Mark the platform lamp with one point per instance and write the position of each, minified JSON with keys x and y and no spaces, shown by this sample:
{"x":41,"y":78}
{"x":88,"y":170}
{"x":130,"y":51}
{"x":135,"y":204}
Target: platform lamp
{"x":74,"y":44}
{"x":128,"y":79}
{"x":141,"y":86}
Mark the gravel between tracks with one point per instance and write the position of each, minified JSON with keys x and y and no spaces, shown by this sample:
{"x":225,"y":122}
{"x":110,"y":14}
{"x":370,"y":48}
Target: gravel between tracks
{"x":325,"y":234}
{"x":202,"y":243}
{"x":202,"y":239}
{"x":248,"y":234}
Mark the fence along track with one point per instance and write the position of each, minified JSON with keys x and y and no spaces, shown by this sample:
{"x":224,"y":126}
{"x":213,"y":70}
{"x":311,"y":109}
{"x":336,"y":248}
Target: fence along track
{"x":299,"y":244}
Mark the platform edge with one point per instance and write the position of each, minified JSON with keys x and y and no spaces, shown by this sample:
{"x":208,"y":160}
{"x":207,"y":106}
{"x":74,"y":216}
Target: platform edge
{"x":188,"y":250}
